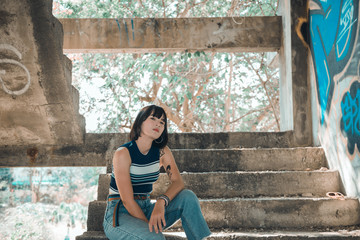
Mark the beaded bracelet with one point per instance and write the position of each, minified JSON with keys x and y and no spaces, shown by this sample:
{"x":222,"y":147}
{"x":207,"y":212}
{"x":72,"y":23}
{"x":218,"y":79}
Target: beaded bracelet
{"x":165,"y":198}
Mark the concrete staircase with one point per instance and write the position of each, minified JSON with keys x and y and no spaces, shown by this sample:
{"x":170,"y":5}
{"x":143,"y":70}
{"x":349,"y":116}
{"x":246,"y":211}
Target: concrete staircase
{"x":267,"y":192}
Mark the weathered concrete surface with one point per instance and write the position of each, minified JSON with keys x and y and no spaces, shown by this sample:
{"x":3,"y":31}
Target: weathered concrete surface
{"x":94,"y":152}
{"x":277,"y":213}
{"x":246,"y":184}
{"x":232,"y":140}
{"x":243,"y":235}
{"x":238,"y":34}
{"x":264,"y":213}
{"x":254,"y":184}
{"x":38,"y":104}
{"x":295,"y":93}
{"x":250,"y":159}
{"x":98,"y":149}
{"x":247,"y":235}
{"x":285,"y":84}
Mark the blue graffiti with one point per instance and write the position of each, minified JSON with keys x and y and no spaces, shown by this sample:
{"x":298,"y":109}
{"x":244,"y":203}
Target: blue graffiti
{"x":331,"y":46}
{"x":346,"y":22}
{"x":132,"y":27}
{"x":126,"y":29}
{"x":118,"y":24}
{"x":350,"y":120}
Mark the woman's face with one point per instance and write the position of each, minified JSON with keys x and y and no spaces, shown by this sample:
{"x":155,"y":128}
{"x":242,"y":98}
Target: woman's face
{"x":153,"y":127}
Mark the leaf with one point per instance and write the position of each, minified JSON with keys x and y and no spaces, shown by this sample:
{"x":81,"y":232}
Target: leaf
{"x":155,"y":66}
{"x":164,"y":75}
{"x":189,"y":95}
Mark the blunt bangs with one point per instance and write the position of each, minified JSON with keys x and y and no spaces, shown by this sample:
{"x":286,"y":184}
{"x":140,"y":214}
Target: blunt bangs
{"x":159,"y":113}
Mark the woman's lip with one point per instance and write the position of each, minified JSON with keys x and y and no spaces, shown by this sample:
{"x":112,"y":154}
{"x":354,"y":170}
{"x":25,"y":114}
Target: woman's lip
{"x":157,"y":130}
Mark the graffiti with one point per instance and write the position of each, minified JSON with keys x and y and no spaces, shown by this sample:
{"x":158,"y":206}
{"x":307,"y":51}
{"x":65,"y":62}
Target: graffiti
{"x":13,"y":62}
{"x":350,"y":121}
{"x":126,"y":29}
{"x":345,"y":29}
{"x":331,"y":47}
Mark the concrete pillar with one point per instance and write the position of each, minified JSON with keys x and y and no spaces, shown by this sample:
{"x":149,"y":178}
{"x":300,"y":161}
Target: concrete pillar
{"x":38,"y":104}
{"x":295,"y":94}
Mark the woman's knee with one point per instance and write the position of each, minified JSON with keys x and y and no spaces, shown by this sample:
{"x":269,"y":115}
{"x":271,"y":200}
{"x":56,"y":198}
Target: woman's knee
{"x":188,"y":195}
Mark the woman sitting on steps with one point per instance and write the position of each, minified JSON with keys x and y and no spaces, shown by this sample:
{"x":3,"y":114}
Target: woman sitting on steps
{"x":136,"y":166}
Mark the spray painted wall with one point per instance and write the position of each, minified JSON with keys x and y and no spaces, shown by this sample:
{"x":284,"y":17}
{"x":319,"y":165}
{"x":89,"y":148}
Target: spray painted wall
{"x":335,"y":49}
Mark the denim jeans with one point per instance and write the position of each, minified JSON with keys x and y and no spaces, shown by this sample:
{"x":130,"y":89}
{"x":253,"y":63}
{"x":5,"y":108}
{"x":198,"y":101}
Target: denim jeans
{"x":184,"y":206}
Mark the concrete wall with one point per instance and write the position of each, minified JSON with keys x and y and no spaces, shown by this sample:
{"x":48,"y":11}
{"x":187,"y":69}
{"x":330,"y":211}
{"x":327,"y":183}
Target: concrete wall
{"x":38,"y":104}
{"x":335,"y":49}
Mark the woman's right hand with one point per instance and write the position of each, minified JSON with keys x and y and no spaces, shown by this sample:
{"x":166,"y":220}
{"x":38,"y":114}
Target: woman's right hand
{"x":157,"y":219}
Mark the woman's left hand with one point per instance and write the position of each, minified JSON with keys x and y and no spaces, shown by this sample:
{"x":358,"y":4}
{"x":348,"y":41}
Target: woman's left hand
{"x":157,"y":219}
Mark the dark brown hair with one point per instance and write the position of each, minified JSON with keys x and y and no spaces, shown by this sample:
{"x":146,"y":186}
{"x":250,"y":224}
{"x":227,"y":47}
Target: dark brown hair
{"x":144,"y":113}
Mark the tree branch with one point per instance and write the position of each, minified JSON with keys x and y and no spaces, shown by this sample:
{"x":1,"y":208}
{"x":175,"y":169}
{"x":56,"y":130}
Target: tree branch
{"x":248,"y":113}
{"x":232,"y":8}
{"x":265,"y":88}
{"x":228,"y":97}
{"x":201,"y":88}
{"x":188,"y":8}
{"x":141,"y":3}
{"x":163,"y":3}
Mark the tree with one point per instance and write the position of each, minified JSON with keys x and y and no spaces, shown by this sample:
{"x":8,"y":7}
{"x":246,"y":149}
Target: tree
{"x":5,"y":178}
{"x":203,"y":92}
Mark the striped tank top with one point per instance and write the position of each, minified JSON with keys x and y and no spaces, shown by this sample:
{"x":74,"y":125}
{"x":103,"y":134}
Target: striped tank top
{"x":144,"y":169}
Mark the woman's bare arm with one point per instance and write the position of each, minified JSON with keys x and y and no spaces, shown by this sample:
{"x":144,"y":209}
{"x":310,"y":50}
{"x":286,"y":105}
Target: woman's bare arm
{"x":121,"y":164}
{"x":157,"y":219}
{"x":168,"y":162}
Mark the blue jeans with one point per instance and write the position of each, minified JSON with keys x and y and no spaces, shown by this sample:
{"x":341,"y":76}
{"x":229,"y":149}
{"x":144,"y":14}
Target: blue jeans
{"x":184,"y":206}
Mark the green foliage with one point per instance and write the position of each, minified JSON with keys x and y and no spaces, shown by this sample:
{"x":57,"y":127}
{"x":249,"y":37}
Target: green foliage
{"x":159,"y":8}
{"x":195,"y":86}
{"x":5,"y":175}
{"x":127,"y":80}
{"x":36,"y":221}
{"x":64,"y":194}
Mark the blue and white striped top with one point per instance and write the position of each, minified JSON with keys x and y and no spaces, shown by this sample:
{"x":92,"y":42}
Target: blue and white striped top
{"x":144,"y":169}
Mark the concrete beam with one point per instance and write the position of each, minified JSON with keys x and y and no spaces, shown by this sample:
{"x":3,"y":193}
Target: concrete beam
{"x":238,"y":34}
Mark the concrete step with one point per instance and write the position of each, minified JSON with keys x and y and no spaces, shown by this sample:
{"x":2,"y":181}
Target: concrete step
{"x":264,"y":213}
{"x":250,"y":159}
{"x":223,"y":140}
{"x":254,"y":184}
{"x":107,"y":142}
{"x":246,"y":184}
{"x":270,"y":235}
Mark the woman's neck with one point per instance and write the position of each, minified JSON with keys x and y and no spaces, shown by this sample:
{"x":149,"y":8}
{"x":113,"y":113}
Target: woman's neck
{"x":144,"y":145}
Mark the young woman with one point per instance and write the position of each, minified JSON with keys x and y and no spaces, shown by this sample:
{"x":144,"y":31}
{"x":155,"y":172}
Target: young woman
{"x":136,"y":166}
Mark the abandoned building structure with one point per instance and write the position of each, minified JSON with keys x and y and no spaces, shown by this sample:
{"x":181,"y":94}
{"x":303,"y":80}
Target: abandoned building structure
{"x":253,"y":180}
